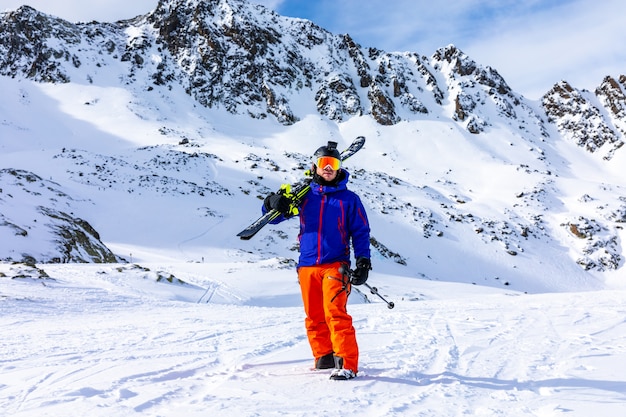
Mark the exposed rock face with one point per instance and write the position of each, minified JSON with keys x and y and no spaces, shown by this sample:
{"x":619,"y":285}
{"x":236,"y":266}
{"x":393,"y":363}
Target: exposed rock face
{"x":45,"y":230}
{"x":582,"y":117}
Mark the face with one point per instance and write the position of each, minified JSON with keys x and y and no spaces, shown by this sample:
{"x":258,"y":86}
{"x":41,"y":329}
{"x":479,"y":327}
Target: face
{"x":327,"y":173}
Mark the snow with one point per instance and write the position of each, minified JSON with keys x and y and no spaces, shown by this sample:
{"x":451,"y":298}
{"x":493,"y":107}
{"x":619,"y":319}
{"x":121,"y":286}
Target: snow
{"x":104,"y":340}
{"x":475,"y":331}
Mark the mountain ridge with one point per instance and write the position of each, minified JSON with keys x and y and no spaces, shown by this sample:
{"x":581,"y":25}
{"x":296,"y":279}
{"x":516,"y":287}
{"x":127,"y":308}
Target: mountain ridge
{"x":247,"y":59}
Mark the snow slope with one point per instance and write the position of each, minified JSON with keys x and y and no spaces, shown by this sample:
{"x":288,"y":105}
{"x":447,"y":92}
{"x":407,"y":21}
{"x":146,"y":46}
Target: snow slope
{"x":103,"y":340}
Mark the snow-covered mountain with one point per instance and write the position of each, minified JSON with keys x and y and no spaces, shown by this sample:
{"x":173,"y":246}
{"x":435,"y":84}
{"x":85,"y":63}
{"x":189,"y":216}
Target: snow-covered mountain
{"x":160,"y":134}
{"x":132,"y":153}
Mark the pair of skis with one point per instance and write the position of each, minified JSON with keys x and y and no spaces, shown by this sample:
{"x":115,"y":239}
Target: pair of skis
{"x":298,"y":191}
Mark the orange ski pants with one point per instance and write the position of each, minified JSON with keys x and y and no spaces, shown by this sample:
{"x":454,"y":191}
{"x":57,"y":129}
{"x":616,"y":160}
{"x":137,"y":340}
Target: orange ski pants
{"x":328,"y":324}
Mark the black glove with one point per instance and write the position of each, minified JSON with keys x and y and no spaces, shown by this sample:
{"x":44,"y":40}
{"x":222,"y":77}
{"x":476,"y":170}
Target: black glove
{"x":278,"y":202}
{"x":360,"y":274}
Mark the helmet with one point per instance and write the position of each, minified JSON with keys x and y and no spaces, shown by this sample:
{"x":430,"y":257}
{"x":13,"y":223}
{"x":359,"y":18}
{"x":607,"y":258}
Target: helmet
{"x":328,"y":150}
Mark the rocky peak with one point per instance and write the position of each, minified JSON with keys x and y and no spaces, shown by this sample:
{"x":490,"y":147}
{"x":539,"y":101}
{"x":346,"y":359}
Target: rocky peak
{"x":612,"y":96}
{"x":581,"y":116}
{"x":475,"y":90}
{"x":247,"y":59}
{"x":26,"y":33}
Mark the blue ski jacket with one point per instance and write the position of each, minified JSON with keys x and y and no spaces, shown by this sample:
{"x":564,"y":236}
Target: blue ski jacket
{"x":331,"y":219}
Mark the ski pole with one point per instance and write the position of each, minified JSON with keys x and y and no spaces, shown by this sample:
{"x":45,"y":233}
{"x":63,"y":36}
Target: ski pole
{"x":349,"y":272}
{"x":374,"y":291}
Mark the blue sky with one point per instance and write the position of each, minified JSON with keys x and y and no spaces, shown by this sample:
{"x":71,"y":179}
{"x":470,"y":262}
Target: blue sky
{"x":532,"y":43}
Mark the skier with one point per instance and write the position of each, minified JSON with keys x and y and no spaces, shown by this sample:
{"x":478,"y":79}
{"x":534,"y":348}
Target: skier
{"x":331,"y":218}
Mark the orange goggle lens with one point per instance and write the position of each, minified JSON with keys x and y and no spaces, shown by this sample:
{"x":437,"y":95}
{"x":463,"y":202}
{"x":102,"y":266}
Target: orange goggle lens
{"x":328,"y":161}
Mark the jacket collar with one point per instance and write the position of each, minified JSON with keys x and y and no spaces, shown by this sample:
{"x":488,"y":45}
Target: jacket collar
{"x":341,"y":184}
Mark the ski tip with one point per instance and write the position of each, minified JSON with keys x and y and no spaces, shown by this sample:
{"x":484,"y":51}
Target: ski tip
{"x":245,"y":235}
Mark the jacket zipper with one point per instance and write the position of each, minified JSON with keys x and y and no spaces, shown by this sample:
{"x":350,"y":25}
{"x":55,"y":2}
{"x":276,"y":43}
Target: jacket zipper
{"x":319,"y":231}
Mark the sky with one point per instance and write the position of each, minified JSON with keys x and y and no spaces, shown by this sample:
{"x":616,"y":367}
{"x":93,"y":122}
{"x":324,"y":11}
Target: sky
{"x":533,"y":44}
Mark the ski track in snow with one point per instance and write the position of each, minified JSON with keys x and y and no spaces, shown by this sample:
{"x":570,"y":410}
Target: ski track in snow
{"x":92,"y":348}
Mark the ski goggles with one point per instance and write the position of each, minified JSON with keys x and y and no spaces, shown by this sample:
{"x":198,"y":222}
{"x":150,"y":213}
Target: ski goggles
{"x":328,"y":162}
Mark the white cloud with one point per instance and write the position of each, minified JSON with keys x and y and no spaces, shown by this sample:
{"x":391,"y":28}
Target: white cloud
{"x":580,"y":42}
{"x":85,"y":11}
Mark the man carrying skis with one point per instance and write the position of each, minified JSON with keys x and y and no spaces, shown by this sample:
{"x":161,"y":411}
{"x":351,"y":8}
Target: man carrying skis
{"x":331,"y":218}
